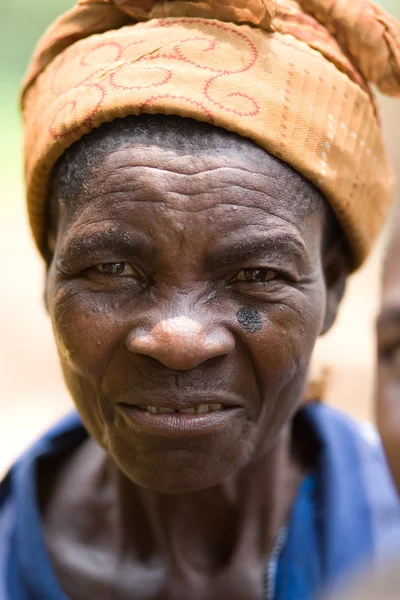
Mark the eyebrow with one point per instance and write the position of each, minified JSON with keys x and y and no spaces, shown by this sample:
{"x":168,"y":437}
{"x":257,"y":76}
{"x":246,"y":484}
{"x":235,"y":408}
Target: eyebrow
{"x":103,"y":243}
{"x":266,"y":247}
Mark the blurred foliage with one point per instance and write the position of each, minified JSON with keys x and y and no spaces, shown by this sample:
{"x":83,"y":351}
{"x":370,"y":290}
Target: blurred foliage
{"x":392,"y":6}
{"x":21,"y":24}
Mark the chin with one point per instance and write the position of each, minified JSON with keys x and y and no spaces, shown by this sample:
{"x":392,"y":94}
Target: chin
{"x":175,"y":471}
{"x":177,"y":460}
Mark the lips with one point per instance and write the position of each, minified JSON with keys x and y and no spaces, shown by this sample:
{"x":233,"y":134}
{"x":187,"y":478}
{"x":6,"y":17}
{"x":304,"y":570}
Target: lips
{"x":178,"y":419}
{"x":199,"y":409}
{"x":166,"y":402}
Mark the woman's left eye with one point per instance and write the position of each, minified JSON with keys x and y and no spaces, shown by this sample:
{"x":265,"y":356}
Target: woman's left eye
{"x":256,"y":275}
{"x":116,"y":269}
{"x":396,"y":357}
{"x":392,"y":356}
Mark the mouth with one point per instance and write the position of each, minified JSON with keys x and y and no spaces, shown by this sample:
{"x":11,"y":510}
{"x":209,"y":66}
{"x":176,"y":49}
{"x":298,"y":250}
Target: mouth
{"x":200,"y":409}
{"x":178,"y":421}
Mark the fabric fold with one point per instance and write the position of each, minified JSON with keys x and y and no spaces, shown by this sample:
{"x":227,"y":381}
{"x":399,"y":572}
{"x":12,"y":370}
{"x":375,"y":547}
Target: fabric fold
{"x":295,"y":77}
{"x":368,"y":34}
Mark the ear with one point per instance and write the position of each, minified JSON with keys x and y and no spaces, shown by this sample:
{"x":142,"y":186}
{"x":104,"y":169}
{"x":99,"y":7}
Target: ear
{"x":46,"y":288}
{"x":48,"y":257}
{"x":336,"y":268}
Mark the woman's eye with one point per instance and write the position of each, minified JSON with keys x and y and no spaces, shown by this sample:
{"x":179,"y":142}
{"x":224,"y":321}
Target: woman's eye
{"x":256,"y":275}
{"x":116,"y":269}
{"x":393,"y":357}
{"x":396,"y":357}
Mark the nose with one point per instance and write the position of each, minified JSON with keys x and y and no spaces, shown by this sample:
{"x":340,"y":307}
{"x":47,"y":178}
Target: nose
{"x":180,"y":343}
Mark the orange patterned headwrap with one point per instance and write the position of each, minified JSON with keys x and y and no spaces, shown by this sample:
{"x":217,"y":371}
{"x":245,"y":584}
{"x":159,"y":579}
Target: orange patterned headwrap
{"x":294,"y":76}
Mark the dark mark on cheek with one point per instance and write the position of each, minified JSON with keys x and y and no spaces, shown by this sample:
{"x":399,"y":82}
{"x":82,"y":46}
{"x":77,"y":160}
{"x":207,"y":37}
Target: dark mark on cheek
{"x":249,"y":318}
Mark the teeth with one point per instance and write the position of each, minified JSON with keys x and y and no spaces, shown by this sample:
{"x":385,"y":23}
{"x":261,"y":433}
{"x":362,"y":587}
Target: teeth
{"x":201,"y":409}
{"x":215,"y":407}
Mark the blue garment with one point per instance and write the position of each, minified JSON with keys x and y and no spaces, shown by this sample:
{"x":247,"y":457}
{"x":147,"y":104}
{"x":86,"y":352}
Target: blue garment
{"x":342,"y":516}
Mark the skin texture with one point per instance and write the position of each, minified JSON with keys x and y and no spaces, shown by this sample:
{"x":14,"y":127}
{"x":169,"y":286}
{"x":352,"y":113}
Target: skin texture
{"x":223,"y":290}
{"x":388,"y":372}
{"x":249,"y":318}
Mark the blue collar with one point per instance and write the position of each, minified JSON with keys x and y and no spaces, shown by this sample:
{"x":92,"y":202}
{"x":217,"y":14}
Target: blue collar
{"x":338,"y":520}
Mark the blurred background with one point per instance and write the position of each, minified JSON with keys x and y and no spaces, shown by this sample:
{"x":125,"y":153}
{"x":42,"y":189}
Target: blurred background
{"x":32,"y":394}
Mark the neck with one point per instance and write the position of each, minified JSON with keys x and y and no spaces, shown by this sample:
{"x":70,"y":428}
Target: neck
{"x":214,"y":541}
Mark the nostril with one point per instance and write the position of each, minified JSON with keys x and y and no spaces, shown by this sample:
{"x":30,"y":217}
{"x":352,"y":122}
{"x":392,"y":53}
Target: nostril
{"x":180,"y":343}
{"x":151,"y":365}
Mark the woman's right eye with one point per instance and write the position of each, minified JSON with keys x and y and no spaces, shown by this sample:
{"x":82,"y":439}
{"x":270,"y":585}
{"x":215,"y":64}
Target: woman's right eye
{"x":389,"y":350}
{"x":259,"y":275}
{"x":393,"y":357}
{"x":118,"y":269}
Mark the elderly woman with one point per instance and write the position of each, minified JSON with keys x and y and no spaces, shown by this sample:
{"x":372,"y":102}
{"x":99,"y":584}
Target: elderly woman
{"x":193,"y":259}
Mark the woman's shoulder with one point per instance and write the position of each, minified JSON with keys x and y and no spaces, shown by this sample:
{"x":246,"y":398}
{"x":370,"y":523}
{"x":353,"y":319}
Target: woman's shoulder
{"x":355,"y":469}
{"x":64,"y":436}
{"x":331,"y":425}
{"x":21,"y":559}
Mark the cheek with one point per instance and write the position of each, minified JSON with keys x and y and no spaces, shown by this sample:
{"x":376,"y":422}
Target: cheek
{"x":388,"y":398}
{"x":281,"y":352}
{"x":388,"y":415}
{"x":287,"y":334}
{"x":86,"y":330}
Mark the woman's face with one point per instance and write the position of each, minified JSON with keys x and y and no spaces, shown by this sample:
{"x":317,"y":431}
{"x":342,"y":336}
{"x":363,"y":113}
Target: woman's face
{"x":186,"y":294}
{"x":388,"y":374}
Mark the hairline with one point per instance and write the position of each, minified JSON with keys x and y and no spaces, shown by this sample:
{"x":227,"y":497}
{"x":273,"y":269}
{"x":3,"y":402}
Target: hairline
{"x":168,"y":132}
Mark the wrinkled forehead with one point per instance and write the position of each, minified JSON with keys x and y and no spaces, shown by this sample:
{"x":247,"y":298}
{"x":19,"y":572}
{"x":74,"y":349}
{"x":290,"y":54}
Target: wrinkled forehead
{"x":157,"y":149}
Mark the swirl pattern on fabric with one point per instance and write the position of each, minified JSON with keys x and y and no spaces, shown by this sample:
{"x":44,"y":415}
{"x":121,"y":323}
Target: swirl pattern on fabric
{"x":293,"y":76}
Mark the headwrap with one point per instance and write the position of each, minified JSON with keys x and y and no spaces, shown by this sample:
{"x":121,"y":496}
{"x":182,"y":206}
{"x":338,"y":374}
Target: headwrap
{"x":292,"y":76}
